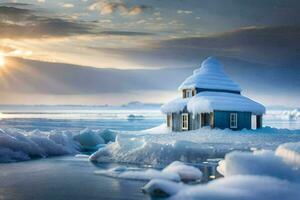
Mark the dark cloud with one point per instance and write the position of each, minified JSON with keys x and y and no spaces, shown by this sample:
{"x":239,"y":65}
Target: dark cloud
{"x":26,"y":23}
{"x":125,"y":33}
{"x":269,"y":45}
{"x":276,"y":46}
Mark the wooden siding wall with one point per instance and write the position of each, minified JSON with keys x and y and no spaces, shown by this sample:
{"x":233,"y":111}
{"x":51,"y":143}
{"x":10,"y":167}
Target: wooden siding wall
{"x":222,"y":119}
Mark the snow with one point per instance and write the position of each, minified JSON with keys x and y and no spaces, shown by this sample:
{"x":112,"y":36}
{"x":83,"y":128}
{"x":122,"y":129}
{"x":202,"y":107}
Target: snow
{"x":186,"y":173}
{"x":242,"y":188}
{"x":290,"y":152}
{"x":262,"y":163}
{"x":162,"y":188}
{"x":210,"y":101}
{"x":17,"y":145}
{"x":191,"y":146}
{"x":258,"y":175}
{"x":138,"y":174}
{"x":210,"y":76}
{"x":176,"y":171}
{"x":175,"y":106}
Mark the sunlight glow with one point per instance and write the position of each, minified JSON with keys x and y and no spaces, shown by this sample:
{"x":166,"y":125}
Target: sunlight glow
{"x":2,"y":60}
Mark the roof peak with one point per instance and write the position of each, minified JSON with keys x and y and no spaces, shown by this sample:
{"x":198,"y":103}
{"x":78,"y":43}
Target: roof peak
{"x":209,"y":64}
{"x":210,"y":75}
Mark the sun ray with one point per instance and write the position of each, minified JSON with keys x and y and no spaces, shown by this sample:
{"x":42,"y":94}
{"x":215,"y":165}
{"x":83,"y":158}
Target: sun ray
{"x":2,"y":60}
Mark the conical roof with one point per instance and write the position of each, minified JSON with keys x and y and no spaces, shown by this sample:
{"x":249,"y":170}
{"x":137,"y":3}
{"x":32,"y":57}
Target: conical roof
{"x":210,"y":76}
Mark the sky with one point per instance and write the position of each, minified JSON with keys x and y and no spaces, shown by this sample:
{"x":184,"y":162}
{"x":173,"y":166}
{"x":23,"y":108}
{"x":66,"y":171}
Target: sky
{"x":116,"y":51}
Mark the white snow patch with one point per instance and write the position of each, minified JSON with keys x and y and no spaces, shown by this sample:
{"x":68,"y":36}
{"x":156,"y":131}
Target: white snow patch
{"x":186,"y":172}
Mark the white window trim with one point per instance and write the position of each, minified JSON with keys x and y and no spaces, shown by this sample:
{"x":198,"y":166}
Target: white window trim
{"x":186,"y":115}
{"x":230,"y":120}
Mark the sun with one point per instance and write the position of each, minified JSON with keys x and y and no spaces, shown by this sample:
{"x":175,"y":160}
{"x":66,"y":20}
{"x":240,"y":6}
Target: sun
{"x":2,"y":60}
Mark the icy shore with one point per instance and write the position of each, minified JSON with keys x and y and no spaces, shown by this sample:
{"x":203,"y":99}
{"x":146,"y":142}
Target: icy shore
{"x":159,"y":147}
{"x":260,"y":175}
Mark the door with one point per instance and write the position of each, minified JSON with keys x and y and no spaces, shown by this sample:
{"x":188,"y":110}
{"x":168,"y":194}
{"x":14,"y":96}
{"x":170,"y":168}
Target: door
{"x":205,"y":119}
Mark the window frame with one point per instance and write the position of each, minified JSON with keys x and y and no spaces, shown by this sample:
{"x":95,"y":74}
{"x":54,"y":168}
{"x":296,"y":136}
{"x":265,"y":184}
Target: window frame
{"x":185,"y":121}
{"x":233,"y":120}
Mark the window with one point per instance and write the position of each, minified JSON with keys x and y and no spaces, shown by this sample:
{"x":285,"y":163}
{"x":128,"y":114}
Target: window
{"x":189,"y":93}
{"x":185,"y":121}
{"x":233,"y":120}
{"x":169,"y":120}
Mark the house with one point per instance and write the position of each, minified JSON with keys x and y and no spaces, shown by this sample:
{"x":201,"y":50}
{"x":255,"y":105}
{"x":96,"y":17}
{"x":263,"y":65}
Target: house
{"x":211,"y":98}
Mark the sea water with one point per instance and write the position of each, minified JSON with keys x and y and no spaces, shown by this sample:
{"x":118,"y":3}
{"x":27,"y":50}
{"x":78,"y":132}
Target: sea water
{"x":73,"y":178}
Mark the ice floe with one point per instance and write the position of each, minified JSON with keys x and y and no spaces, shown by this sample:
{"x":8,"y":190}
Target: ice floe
{"x":176,"y":171}
{"x":138,"y":174}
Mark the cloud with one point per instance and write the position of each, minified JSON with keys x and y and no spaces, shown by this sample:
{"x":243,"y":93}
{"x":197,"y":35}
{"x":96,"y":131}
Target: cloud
{"x":106,"y":8}
{"x":125,"y":33}
{"x":20,"y":23}
{"x":186,"y":12}
{"x":26,"y":23}
{"x":67,"y":5}
{"x":278,"y":45}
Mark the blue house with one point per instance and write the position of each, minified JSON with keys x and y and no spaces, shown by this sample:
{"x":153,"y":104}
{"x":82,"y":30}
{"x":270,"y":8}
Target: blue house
{"x":211,"y":98}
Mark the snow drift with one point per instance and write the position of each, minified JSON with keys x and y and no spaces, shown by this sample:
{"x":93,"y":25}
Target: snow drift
{"x":193,"y":146}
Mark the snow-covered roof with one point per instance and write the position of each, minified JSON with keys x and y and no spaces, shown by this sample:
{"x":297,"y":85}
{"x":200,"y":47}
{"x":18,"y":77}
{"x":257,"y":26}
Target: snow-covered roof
{"x":210,"y":76}
{"x":210,"y":101}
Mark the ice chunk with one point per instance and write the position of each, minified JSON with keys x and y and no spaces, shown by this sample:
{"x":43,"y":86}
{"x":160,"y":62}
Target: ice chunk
{"x":81,"y":156}
{"x":290,"y":152}
{"x":162,"y":188}
{"x":17,"y":145}
{"x":7,"y":155}
{"x":241,"y":187}
{"x":107,"y":135}
{"x":263,"y":163}
{"x":186,"y":172}
{"x":138,"y":174}
{"x":89,"y":139}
